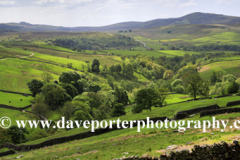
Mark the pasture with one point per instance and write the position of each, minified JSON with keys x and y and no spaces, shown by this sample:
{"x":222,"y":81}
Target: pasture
{"x":178,"y":52}
{"x":230,"y":67}
{"x":16,"y":100}
{"x":133,"y":53}
{"x":149,"y":141}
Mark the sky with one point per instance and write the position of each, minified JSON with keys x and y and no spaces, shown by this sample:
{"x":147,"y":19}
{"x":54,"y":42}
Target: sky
{"x":72,"y":13}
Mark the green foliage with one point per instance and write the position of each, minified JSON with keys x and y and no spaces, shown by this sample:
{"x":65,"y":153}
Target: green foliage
{"x":54,"y":95}
{"x":177,"y":86}
{"x":95,"y":65}
{"x":71,"y":78}
{"x":70,"y":89}
{"x":18,"y":135}
{"x":81,"y":115}
{"x":41,"y":109}
{"x":189,"y":69}
{"x":68,"y":110}
{"x":145,"y":99}
{"x":93,"y":87}
{"x":118,"y":110}
{"x":46,"y":77}
{"x":233,"y":87}
{"x":214,"y":78}
{"x":42,"y":133}
{"x":4,"y":136}
{"x":95,"y":99}
{"x":35,"y":86}
{"x":195,"y":85}
{"x":110,"y":81}
{"x":176,"y":82}
{"x":102,"y":112}
{"x":179,"y":89}
{"x":120,"y":95}
{"x":161,"y":95}
{"x":91,"y":40}
{"x":229,"y":78}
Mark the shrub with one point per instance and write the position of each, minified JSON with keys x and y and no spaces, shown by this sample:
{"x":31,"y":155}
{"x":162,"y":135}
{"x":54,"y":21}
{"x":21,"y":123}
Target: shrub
{"x":38,"y":134}
{"x":118,"y":110}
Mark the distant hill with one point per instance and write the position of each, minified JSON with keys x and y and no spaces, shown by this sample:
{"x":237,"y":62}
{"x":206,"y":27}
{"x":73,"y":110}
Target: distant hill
{"x":193,"y":18}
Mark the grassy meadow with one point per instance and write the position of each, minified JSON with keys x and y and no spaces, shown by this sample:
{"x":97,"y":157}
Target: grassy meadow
{"x":26,"y":57}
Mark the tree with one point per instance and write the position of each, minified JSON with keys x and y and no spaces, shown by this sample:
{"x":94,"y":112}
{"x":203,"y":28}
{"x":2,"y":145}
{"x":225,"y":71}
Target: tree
{"x":93,"y":87}
{"x":129,"y":70}
{"x":120,"y":95}
{"x":145,"y":98}
{"x":72,"y":78}
{"x":161,"y":96}
{"x":18,"y":135}
{"x":233,"y":87}
{"x":40,"y":109}
{"x":68,"y":110}
{"x":54,"y":95}
{"x":70,"y":89}
{"x":46,"y":77}
{"x":118,"y":110}
{"x":179,"y":89}
{"x":229,"y":78}
{"x":220,"y":73}
{"x":35,"y":86}
{"x":102,"y":112}
{"x":95,"y":65}
{"x":118,"y":68}
{"x":4,"y":136}
{"x":81,"y":115}
{"x":168,"y":74}
{"x":214,"y":78}
{"x":195,"y":85}
{"x":110,"y":81}
{"x":123,"y":57}
{"x":176,"y":82}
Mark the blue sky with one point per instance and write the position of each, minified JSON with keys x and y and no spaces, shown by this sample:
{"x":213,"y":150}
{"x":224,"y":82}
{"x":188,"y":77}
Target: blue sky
{"x":71,"y":13}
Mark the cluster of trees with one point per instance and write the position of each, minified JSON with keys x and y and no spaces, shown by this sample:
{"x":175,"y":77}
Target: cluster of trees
{"x":125,"y":69}
{"x":95,"y":42}
{"x":227,"y":84}
{"x":215,"y":47}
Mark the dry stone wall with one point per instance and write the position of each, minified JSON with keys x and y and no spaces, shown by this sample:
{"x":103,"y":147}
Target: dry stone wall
{"x":220,"y":111}
{"x":71,"y":138}
{"x":221,"y":151}
{"x":186,"y":113}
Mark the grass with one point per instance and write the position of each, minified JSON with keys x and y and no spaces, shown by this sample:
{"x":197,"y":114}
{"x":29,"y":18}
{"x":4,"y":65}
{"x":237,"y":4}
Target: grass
{"x":223,"y":38}
{"x":133,"y":53}
{"x":178,"y":52}
{"x":15,"y":99}
{"x":15,"y":73}
{"x":169,"y":111}
{"x":115,"y":144}
{"x":230,"y":67}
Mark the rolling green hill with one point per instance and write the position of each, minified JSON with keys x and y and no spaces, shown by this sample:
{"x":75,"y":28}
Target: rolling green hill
{"x":194,"y":18}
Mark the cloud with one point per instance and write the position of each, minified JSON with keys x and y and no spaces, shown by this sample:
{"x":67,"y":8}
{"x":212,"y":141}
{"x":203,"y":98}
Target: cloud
{"x":226,"y":1}
{"x":48,"y":3}
{"x":189,"y":3}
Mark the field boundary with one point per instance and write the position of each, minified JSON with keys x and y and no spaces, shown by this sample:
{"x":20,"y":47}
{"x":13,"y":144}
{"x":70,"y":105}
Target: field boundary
{"x":54,"y":141}
{"x":220,"y":111}
{"x":24,"y":94}
{"x":15,"y":108}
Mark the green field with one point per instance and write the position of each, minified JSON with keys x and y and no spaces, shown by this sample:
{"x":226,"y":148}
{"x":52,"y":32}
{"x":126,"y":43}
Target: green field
{"x":148,"y":141}
{"x":169,"y":111}
{"x":17,"y":100}
{"x":133,"y":53}
{"x":230,"y":67}
{"x":222,"y":38}
{"x":178,"y":52}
